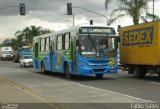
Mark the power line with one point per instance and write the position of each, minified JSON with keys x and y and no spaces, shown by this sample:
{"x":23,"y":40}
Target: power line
{"x":8,"y":7}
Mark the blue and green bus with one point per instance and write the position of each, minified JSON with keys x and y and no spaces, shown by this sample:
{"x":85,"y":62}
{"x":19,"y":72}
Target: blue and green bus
{"x":81,"y":50}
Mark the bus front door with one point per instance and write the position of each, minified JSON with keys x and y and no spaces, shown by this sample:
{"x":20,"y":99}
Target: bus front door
{"x":36,"y":55}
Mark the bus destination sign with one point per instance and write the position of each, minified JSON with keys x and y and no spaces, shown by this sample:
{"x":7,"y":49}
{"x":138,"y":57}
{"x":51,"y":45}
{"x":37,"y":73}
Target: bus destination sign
{"x":96,"y":30}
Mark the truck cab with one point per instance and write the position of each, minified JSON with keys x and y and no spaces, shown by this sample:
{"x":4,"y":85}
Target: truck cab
{"x":22,"y":51}
{"x":6,"y":53}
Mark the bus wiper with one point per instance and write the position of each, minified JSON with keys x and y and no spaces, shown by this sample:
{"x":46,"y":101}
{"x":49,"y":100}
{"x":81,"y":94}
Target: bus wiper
{"x":92,"y":42}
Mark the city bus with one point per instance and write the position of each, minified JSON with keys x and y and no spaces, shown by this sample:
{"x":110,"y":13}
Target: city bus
{"x":80,"y":50}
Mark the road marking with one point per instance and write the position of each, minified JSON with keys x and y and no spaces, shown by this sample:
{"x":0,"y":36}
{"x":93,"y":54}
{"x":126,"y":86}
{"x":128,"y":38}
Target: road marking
{"x":114,"y":93}
{"x":108,"y":91}
{"x":111,"y":77}
{"x":155,"y":83}
{"x":19,"y":70}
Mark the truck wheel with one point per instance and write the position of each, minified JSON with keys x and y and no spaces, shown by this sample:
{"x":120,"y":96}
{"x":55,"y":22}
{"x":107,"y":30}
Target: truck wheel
{"x":67,"y":72}
{"x":130,"y":70}
{"x":24,"y":65}
{"x":159,"y":75}
{"x":138,"y":72}
{"x":99,"y":76}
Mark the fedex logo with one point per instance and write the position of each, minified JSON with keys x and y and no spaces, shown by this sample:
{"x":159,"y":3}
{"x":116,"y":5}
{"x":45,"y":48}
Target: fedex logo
{"x":138,"y":37}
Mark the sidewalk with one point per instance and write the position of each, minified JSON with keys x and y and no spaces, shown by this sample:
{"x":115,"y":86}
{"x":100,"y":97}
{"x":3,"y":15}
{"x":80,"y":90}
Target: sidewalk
{"x":9,"y":93}
{"x":13,"y":97}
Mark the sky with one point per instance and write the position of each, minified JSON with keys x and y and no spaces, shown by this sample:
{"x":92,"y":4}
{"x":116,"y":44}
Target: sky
{"x":51,"y":14}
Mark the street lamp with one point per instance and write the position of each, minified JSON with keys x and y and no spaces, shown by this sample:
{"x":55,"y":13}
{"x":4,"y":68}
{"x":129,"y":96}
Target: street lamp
{"x":69,"y":11}
{"x":93,"y":12}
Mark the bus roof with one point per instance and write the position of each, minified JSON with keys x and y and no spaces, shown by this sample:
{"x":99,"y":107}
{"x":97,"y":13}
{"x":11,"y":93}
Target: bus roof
{"x":75,"y":28}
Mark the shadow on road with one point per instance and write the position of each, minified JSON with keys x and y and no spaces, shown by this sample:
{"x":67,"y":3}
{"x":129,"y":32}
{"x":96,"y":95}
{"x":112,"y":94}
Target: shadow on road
{"x":75,"y":77}
{"x":121,"y":75}
{"x":149,"y":78}
{"x":155,"y":78}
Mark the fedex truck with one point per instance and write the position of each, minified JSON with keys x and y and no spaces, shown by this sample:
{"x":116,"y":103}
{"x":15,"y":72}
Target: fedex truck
{"x":140,"y":48}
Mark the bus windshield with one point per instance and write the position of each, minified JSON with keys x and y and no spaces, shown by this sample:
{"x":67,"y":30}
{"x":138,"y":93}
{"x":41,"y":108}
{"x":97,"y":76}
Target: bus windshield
{"x":97,"y":46}
{"x":25,"y":50}
{"x":7,"y":52}
{"x":27,"y":57}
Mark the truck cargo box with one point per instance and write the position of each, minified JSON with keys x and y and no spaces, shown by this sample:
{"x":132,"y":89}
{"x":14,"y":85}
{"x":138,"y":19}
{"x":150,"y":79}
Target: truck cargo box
{"x":140,"y":44}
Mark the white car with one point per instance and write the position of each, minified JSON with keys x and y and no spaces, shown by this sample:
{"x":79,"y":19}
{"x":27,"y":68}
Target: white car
{"x":26,"y":60}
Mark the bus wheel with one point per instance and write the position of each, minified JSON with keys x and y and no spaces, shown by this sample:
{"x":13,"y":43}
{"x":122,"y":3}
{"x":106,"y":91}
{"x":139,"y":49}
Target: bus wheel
{"x":138,"y":72}
{"x":42,"y":68}
{"x":99,"y":76}
{"x":67,"y":72}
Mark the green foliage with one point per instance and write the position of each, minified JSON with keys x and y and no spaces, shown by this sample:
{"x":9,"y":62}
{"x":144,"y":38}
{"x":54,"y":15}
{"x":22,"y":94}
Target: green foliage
{"x":25,"y":37}
{"x":6,"y":42}
{"x":133,"y":9}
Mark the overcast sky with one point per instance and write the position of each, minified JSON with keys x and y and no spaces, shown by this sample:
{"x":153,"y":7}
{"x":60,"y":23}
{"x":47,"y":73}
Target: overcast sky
{"x":51,"y":14}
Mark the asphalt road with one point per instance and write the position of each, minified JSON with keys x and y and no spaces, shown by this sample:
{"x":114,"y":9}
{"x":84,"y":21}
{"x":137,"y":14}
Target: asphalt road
{"x":121,"y":86}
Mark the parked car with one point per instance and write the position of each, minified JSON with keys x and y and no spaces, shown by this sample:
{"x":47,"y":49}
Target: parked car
{"x":26,"y":60}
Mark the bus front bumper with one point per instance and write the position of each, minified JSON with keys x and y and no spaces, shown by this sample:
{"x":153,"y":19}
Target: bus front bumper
{"x":104,"y":70}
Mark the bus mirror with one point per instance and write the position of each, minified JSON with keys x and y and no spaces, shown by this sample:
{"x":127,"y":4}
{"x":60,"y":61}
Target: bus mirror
{"x":118,"y":39}
{"x":77,"y":43}
{"x":52,"y":52}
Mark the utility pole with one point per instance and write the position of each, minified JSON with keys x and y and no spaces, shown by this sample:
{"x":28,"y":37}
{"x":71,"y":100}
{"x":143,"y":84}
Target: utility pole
{"x":73,"y":20}
{"x":21,"y":8}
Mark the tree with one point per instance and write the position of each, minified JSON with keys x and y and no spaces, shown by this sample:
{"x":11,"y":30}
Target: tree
{"x":25,"y":37}
{"x":14,"y":44}
{"x":19,"y":39}
{"x":6,"y":42}
{"x":134,"y":9}
{"x":33,"y":31}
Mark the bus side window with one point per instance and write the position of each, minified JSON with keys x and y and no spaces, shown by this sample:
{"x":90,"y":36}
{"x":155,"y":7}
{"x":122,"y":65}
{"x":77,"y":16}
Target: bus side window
{"x":67,"y":41}
{"x":59,"y":42}
{"x":47,"y":44}
{"x":42,"y":45}
{"x":51,"y":45}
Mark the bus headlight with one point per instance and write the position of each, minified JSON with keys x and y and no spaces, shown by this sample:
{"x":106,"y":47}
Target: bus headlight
{"x":112,"y":62}
{"x":83,"y":64}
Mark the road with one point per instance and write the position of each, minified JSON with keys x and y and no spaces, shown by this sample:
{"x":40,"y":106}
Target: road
{"x":54,"y":88}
